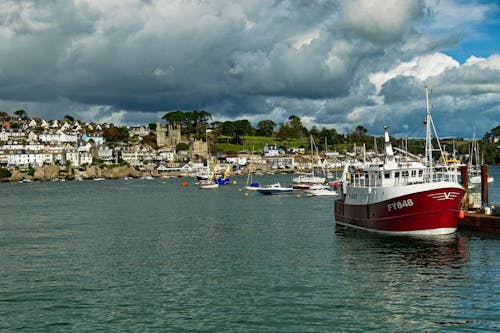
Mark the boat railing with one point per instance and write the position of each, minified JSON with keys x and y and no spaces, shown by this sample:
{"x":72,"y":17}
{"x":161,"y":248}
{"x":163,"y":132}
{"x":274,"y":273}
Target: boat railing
{"x":435,"y":176}
{"x":365,"y":179}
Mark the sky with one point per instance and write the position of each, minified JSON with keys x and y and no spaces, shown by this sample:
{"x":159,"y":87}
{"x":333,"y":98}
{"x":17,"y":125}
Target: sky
{"x":334,"y":64}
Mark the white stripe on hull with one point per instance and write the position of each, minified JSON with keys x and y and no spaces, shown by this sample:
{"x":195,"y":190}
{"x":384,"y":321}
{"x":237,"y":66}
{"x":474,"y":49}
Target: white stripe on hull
{"x":437,"y":231}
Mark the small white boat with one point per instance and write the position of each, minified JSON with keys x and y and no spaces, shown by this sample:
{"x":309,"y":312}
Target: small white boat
{"x":477,"y":179}
{"x":274,"y":189}
{"x":320,"y":190}
{"x":208,"y":184}
{"x":308,"y":178}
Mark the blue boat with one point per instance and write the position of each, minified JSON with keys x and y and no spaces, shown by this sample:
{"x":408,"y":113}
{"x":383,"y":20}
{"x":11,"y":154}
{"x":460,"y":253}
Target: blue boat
{"x":274,"y":189}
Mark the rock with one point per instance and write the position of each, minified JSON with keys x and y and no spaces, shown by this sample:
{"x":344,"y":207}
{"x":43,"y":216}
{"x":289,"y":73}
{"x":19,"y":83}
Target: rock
{"x":17,"y":176}
{"x":91,"y":172}
{"x":122,"y":172}
{"x":46,"y":172}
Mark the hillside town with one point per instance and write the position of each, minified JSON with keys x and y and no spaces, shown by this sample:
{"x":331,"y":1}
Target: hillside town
{"x":40,"y":149}
{"x":35,"y":148}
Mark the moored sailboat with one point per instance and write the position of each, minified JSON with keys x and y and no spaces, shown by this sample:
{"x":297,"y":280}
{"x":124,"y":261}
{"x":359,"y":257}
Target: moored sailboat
{"x":251,"y":185}
{"x":304,"y":180}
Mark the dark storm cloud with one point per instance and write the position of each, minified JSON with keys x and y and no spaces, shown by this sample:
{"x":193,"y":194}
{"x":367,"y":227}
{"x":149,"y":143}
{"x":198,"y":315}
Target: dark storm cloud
{"x":401,"y":89}
{"x":124,"y":61}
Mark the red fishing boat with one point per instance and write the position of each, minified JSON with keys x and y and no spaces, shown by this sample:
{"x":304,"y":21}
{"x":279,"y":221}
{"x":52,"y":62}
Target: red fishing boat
{"x":402,"y":194}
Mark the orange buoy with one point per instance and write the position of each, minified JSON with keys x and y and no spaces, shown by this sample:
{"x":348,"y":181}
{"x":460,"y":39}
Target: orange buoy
{"x":461,"y":214}
{"x":184,"y":184}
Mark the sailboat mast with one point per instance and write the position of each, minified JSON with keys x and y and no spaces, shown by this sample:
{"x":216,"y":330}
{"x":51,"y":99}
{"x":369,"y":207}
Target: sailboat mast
{"x":208,"y":147}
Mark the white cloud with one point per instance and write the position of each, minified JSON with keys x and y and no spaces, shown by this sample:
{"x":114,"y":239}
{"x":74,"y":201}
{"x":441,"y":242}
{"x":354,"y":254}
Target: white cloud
{"x":449,"y":15}
{"x":421,"y":68}
{"x":381,"y":20}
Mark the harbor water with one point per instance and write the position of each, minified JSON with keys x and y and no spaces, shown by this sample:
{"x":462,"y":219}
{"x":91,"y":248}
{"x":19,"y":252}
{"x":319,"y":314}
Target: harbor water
{"x":155,"y":256}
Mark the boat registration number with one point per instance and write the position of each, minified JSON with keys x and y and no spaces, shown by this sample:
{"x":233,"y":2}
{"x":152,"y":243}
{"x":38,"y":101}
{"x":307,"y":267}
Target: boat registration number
{"x":399,"y":205}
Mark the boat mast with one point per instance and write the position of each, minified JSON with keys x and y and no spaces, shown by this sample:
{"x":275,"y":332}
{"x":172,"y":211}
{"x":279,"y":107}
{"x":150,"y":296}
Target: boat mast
{"x":249,"y":176}
{"x":428,"y":134}
{"x":208,"y":147}
{"x":428,"y":138}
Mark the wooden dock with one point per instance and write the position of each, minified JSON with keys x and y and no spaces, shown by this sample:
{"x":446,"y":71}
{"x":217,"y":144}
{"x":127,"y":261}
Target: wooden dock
{"x":480,"y":222}
{"x":473,"y":220}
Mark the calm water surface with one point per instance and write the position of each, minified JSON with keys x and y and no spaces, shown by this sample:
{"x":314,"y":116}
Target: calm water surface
{"x":152,"y":256}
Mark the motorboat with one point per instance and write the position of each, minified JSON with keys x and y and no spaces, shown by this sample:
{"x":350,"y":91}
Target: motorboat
{"x":274,"y":189}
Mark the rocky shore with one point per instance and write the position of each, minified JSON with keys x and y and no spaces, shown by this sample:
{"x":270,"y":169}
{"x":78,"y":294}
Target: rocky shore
{"x":53,"y":172}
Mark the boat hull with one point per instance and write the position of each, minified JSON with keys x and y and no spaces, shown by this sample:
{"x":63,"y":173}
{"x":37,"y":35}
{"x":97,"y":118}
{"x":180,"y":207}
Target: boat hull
{"x":433,"y":211}
{"x":222,"y":181}
{"x":273,"y":192}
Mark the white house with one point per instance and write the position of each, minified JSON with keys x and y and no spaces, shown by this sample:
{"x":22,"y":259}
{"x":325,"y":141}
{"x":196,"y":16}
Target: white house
{"x":58,"y":137}
{"x":65,"y":127}
{"x":6,"y":135}
{"x":271,"y":150}
{"x":24,"y":159}
{"x":105,"y":154}
{"x":85,"y":158}
{"x":167,"y":154}
{"x":296,"y":150}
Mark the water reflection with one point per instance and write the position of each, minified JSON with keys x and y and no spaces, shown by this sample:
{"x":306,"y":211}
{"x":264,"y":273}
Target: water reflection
{"x":421,"y":251}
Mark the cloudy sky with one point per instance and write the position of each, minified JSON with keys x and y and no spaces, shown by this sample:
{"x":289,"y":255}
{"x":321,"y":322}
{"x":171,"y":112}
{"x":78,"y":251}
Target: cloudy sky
{"x":333,"y":63}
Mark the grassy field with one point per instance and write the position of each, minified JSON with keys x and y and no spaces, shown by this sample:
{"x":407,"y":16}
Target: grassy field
{"x":257,"y":143}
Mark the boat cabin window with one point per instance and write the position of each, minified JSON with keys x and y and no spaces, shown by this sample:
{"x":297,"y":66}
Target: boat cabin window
{"x":405,"y":174}
{"x":396,"y":174}
{"x":413,"y":173}
{"x":420,"y":173}
{"x":387,"y":175}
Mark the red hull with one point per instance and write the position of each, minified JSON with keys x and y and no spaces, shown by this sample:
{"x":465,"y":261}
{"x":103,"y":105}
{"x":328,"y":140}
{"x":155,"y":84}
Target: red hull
{"x":429,"y":212}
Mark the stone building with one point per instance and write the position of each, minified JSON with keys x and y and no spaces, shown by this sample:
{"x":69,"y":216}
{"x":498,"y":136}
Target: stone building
{"x":198,"y":150}
{"x":168,"y":136}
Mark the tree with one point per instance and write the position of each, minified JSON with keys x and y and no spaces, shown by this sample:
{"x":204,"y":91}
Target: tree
{"x":175,"y":118}
{"x":314,"y":132}
{"x":358,"y":135}
{"x":69,"y":119}
{"x":181,"y":146}
{"x":297,"y":130}
{"x":202,"y":117}
{"x":360,"y":130}
{"x":491,"y":135}
{"x":266,"y":127}
{"x":283,"y":131}
{"x":241,"y":127}
{"x":21,"y":114}
{"x":5,"y":173}
{"x":115,"y":134}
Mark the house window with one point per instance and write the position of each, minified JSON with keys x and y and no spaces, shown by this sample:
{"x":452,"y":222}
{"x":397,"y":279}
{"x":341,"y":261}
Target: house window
{"x":387,"y":175}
